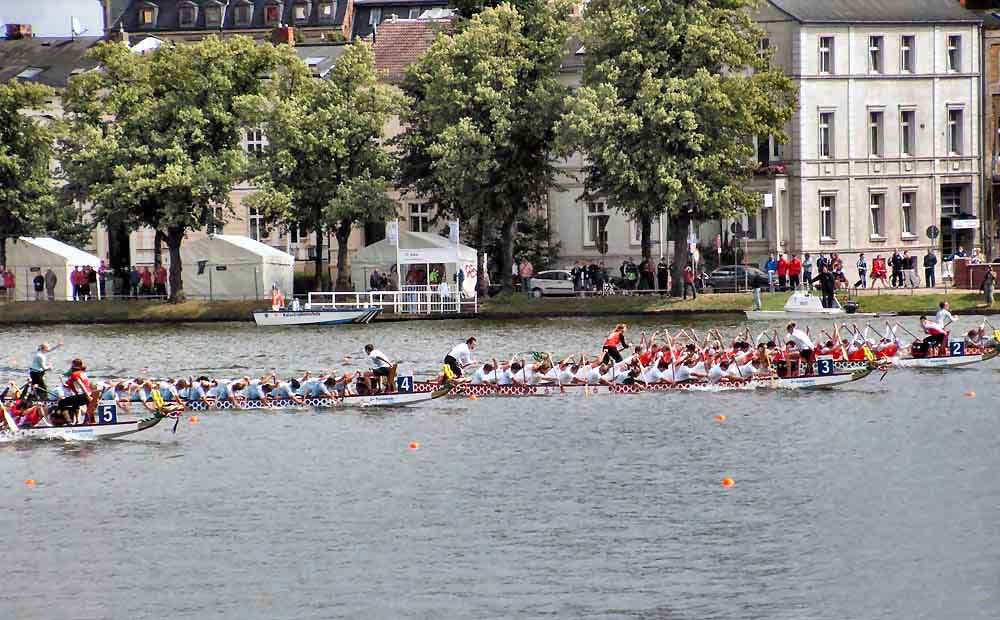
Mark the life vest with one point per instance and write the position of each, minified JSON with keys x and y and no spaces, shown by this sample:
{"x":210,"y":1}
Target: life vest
{"x":613,"y":340}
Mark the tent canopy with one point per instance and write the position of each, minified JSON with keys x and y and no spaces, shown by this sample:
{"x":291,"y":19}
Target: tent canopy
{"x":234,"y":267}
{"x":28,"y":256}
{"x":415,"y":248}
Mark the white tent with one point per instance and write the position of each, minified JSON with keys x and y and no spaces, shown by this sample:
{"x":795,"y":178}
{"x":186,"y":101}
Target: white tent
{"x":234,"y":267}
{"x":30,"y":256}
{"x":415,"y":248}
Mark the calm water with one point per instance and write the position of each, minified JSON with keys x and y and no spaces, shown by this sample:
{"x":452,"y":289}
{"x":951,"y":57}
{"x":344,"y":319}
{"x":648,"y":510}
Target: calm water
{"x":880,"y":500}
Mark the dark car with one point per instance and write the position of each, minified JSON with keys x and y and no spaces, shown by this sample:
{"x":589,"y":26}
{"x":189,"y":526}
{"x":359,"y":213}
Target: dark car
{"x":734,"y":278}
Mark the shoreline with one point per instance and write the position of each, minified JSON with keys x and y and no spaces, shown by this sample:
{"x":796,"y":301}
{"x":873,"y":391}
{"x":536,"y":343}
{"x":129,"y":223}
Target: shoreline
{"x":499,"y":308}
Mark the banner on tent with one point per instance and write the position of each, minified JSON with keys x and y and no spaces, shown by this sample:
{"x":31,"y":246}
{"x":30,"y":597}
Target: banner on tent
{"x":428,"y":255}
{"x":453,"y":231}
{"x":392,"y":232}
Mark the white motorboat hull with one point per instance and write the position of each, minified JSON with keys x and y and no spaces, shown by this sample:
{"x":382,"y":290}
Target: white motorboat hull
{"x":831,"y":313}
{"x":360,"y":316}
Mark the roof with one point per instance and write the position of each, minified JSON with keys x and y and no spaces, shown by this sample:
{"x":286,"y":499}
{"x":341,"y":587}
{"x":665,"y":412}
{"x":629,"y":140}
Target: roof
{"x":168,"y":20}
{"x":876,"y":11}
{"x":253,"y":246}
{"x":72,"y":255}
{"x":320,"y":58}
{"x":399,"y":42}
{"x":57,"y":58}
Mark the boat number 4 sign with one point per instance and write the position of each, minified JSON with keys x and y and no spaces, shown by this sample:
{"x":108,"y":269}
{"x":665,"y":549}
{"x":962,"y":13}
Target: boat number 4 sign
{"x":107,"y":414}
{"x":404,"y":385}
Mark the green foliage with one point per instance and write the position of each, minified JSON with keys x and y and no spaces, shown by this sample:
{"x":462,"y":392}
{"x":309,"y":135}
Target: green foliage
{"x":154,"y":140}
{"x":325,"y":167}
{"x":480,"y":126}
{"x":673,"y":91}
{"x":26,"y":190}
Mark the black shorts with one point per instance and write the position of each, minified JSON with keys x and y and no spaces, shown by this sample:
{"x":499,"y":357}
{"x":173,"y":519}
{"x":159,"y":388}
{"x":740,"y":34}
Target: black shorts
{"x":612,"y":353}
{"x":453,"y":364}
{"x":935,"y":339}
{"x":381,"y":372}
{"x":71,"y":403}
{"x":806,"y":354}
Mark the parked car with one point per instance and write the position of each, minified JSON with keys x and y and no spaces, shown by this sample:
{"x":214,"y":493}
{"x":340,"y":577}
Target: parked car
{"x":552,"y":283}
{"x":733,"y":278}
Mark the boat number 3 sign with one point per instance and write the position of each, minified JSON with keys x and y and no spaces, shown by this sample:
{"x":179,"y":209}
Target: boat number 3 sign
{"x":107,"y":414}
{"x":824,"y":367}
{"x":404,"y":385}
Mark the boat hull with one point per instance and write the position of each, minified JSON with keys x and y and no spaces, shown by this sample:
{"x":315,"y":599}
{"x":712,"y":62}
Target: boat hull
{"x":376,"y":400}
{"x":950,"y":361}
{"x":82,"y":432}
{"x":360,"y":316}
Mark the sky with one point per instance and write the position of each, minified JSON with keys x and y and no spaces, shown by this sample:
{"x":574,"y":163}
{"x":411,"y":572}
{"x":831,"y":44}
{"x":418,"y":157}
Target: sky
{"x":50,"y":18}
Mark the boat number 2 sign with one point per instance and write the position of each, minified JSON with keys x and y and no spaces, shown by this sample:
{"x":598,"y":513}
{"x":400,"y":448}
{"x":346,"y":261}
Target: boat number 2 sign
{"x":107,"y":414}
{"x":404,"y":385}
{"x":957,"y":348}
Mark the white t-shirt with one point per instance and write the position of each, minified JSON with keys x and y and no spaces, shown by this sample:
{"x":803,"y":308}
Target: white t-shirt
{"x":378,"y":359}
{"x":462,"y":354}
{"x":481,"y":376}
{"x":801,"y":340}
{"x":681,"y":373}
{"x":594,"y":375}
{"x":504,"y":376}
{"x":652,"y":375}
{"x":583,"y":373}
{"x":566,"y":376}
{"x":943,"y":316}
{"x":734,"y":371}
{"x":716,"y":374}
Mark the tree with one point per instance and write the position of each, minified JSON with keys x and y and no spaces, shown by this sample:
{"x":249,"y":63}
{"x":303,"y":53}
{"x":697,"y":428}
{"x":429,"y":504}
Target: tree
{"x":325,"y":167}
{"x":673,"y":92}
{"x":480,"y":125}
{"x":154,"y":140}
{"x":26,"y":146}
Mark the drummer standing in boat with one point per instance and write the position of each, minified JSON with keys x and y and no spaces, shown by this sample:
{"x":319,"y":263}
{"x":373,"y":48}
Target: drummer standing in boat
{"x":460,"y":356}
{"x":40,"y":364}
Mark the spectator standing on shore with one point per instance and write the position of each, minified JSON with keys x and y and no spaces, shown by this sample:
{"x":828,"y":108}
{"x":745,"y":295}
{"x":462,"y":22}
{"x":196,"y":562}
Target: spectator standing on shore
{"x":160,"y":281}
{"x":85,"y":282}
{"x":879,"y":271}
{"x":647,"y":275}
{"x":630,"y":275}
{"x":50,"y":284}
{"x":663,"y":275}
{"x":771,"y":267}
{"x":896,"y":263}
{"x":146,"y":282}
{"x":862,"y":265}
{"x":930,"y":262}
{"x":782,"y":272}
{"x":39,"y":284}
{"x":9,"y":282}
{"x":527,"y":272}
{"x":3,"y":283}
{"x":134,"y":279}
{"x":577,"y":273}
{"x":794,"y":271}
{"x":989,"y":283}
{"x":93,"y":283}
{"x":102,"y":279}
{"x":689,"y":282}
{"x":909,"y":270}
{"x":827,"y":284}
{"x":807,"y":269}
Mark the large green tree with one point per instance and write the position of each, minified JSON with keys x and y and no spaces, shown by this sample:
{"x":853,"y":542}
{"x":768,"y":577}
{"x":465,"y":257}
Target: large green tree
{"x":154,"y":140}
{"x":326,"y":167}
{"x":480,"y":124}
{"x":673,"y":92}
{"x":26,"y":146}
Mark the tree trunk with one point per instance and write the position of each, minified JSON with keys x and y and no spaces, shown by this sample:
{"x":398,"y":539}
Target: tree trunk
{"x":318,"y":272}
{"x":174,"y":237}
{"x":507,"y":253}
{"x":3,"y":250}
{"x":343,"y":234}
{"x":157,"y":248}
{"x":679,"y":225}
{"x":646,"y":224}
{"x":481,"y":289}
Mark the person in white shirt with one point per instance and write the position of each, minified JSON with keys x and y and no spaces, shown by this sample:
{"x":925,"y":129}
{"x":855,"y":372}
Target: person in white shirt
{"x":484,"y":375}
{"x":458,"y":358}
{"x":382,"y":368}
{"x":804,"y":346}
{"x":944,"y":315}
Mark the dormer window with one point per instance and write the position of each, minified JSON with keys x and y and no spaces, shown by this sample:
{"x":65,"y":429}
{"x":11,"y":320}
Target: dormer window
{"x":300,"y":12}
{"x":187,"y":14}
{"x":272,"y":14}
{"x":213,"y":15}
{"x":327,"y":11}
{"x":243,"y":14}
{"x":147,"y":15}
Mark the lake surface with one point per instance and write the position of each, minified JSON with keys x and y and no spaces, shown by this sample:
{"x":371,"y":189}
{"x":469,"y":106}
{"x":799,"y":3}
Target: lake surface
{"x":879,"y":500}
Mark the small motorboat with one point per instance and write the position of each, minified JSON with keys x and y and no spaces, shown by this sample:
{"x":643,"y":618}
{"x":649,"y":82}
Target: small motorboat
{"x":804,"y":305}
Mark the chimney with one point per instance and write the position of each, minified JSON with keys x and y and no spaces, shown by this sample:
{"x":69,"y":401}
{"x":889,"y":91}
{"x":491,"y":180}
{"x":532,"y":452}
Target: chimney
{"x":19,"y":31}
{"x":283,"y":35}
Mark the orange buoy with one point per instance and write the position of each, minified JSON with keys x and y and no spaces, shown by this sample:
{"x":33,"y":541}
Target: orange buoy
{"x":720,"y":418}
{"x":414,"y":445}
{"x":728,"y":482}
{"x":473,"y":397}
{"x":971,"y":394}
{"x":30,"y":482}
{"x":193,"y":419}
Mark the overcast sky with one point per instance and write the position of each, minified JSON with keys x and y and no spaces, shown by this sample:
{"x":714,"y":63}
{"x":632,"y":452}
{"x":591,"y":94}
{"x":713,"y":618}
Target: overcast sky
{"x":50,"y":18}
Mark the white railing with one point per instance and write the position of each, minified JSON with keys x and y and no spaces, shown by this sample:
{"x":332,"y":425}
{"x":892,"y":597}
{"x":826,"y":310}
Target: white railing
{"x":411,"y":300}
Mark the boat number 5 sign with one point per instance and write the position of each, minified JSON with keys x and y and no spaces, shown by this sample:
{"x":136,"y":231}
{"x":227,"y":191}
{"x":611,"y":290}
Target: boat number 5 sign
{"x":107,"y":414}
{"x":404,"y":385}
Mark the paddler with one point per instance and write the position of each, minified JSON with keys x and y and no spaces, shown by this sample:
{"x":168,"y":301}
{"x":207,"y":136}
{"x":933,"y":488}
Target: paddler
{"x":804,"y":349}
{"x":458,"y":358}
{"x":936,"y":334}
{"x":78,"y":385}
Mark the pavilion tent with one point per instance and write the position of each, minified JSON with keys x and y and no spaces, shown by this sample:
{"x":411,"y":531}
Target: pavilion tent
{"x":30,"y":256}
{"x":234,"y":267}
{"x":415,"y":248}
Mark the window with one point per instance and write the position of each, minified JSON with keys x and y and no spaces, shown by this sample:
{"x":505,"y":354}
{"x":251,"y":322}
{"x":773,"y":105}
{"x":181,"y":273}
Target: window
{"x":635,"y":231}
{"x":875,"y":133}
{"x":875,"y":54}
{"x":254,"y":141}
{"x":765,"y":214}
{"x":907,"y":132}
{"x":258,"y":228}
{"x":147,"y":16}
{"x":954,"y":131}
{"x":243,"y":14}
{"x":827,"y":204}
{"x":826,"y":55}
{"x":826,"y":134}
{"x":906,"y":213}
{"x":296,"y":233}
{"x":763,"y":47}
{"x":327,"y":11}
{"x":876,"y":207}
{"x":213,"y":15}
{"x":954,"y":52}
{"x":272,"y":14}
{"x":187,"y":14}
{"x":420,"y":217}
{"x":592,"y":225}
{"x":414,"y":12}
{"x":300,"y":12}
{"x":951,"y":200}
{"x":906,"y":51}
{"x":763,"y":150}
{"x":375,"y":17}
{"x":775,"y":149}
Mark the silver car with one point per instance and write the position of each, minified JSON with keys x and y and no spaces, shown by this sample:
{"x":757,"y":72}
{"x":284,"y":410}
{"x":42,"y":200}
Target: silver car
{"x":552,"y":283}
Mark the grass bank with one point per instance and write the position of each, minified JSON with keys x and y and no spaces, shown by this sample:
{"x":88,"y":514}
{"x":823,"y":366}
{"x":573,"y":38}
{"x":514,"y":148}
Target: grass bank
{"x":499,"y":307}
